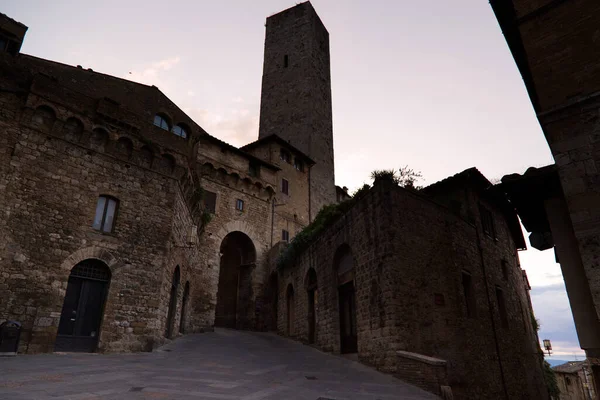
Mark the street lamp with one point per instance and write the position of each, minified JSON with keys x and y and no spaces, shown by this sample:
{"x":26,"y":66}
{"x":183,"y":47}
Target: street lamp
{"x":548,"y":346}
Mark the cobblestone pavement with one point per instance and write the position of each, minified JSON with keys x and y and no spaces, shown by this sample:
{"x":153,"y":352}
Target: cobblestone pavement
{"x":224,"y":364}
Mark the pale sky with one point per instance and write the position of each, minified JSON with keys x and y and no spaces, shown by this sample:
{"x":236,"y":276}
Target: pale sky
{"x":429,"y":84}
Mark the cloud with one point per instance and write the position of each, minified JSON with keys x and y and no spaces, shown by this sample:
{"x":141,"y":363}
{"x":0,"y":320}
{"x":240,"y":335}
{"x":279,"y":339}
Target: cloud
{"x":235,"y":126}
{"x":151,"y":74}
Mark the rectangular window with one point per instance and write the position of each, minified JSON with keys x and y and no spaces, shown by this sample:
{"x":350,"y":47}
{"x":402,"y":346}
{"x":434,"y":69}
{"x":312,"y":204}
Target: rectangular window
{"x":106,"y":210}
{"x":210,"y":201}
{"x":239,"y":205}
{"x":298,"y":164}
{"x":285,"y":186}
{"x":502,"y":307}
{"x":285,"y":235}
{"x":467,"y":285}
{"x":285,"y":61}
{"x":487,"y":221}
{"x":284,"y":155}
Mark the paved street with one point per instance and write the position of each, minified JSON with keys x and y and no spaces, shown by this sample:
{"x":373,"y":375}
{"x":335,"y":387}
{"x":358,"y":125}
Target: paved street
{"x":224,"y":364}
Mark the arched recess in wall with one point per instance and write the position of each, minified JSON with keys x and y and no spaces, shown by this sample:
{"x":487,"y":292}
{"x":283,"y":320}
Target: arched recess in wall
{"x":146,"y":156}
{"x":234,"y":294}
{"x":172,"y":302}
{"x":73,"y":130}
{"x":311,"y":291}
{"x":124,"y":148}
{"x":344,"y":267}
{"x":273,"y":295}
{"x":43,"y":118}
{"x":83,"y":307}
{"x":167,"y":164}
{"x":290,"y":310}
{"x":99,"y":139}
{"x":184,"y":307}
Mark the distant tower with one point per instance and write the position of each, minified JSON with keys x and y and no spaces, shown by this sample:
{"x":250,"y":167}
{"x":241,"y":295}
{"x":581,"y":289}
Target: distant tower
{"x":296,"y":93}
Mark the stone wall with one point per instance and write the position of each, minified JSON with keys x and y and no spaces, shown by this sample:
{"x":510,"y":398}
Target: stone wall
{"x":409,"y":254}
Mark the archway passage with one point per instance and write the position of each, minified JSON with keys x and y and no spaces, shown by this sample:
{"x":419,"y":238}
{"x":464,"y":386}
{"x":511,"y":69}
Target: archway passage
{"x":81,"y":316}
{"x":311,"y":288}
{"x":172,"y":302}
{"x":238,"y":257}
{"x":273,"y":302}
{"x":344,"y":265}
{"x":184,"y":305}
{"x":289,"y":326}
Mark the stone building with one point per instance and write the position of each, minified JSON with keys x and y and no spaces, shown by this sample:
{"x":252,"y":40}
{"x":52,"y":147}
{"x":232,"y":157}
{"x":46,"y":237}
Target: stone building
{"x":574,"y":380}
{"x":126,"y":224}
{"x":553,"y":44}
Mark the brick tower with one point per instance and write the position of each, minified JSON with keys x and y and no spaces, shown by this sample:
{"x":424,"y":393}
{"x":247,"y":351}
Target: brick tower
{"x":296,"y":93}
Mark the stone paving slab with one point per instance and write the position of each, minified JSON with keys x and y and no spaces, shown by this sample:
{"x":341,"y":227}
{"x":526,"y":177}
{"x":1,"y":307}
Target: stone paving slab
{"x":225,"y":364}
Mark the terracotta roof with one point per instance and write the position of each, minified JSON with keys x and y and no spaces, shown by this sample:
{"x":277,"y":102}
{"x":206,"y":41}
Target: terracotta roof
{"x":282,"y":142}
{"x":570,"y":367}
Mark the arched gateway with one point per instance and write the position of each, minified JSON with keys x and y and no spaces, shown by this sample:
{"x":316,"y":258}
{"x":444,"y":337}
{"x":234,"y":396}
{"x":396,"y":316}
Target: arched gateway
{"x":238,"y":257}
{"x":83,"y":307}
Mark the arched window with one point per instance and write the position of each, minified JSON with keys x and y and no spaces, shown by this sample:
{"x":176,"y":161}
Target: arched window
{"x":44,"y":117}
{"x":146,"y":156}
{"x":162,"y":122}
{"x":180,"y":130}
{"x":106,"y":211}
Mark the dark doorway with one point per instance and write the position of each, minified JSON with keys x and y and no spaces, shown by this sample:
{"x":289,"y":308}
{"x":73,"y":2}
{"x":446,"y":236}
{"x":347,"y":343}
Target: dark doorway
{"x":289,"y":326}
{"x":238,"y":257}
{"x":348,"y":339}
{"x":344,"y":265}
{"x":274,"y":301}
{"x":83,"y":307}
{"x":172,"y":303}
{"x":184,"y":302}
{"x":311,"y":287}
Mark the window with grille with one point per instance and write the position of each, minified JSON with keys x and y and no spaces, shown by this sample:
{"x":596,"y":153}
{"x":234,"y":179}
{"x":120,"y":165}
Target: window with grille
{"x":285,"y":186}
{"x":285,"y":235}
{"x":210,"y":201}
{"x":106,"y":211}
{"x":239,"y":205}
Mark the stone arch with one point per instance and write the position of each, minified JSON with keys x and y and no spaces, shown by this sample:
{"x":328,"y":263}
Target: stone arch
{"x":124,"y":147}
{"x":184,"y":307}
{"x":73,"y":129}
{"x":235,"y":291}
{"x":290,"y":306}
{"x":167,"y":163}
{"x":82,"y":312}
{"x":172,"y":312}
{"x":92,"y":252}
{"x":146,"y":156}
{"x":311,"y":285}
{"x":44,"y":117}
{"x":99,"y":138}
{"x":343,"y":264}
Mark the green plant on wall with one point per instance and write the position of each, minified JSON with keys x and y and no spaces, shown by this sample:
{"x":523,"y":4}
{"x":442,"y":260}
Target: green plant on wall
{"x":550,"y":380}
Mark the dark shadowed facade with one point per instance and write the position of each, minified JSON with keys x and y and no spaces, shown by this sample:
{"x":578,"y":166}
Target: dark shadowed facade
{"x":554,"y":46}
{"x":125,"y":224}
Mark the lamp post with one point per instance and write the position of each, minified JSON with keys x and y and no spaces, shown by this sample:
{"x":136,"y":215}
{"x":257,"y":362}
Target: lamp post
{"x":548,"y":346}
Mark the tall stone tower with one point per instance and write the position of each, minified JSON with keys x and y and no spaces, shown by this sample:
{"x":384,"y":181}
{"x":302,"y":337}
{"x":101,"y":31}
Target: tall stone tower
{"x":296,"y":93}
